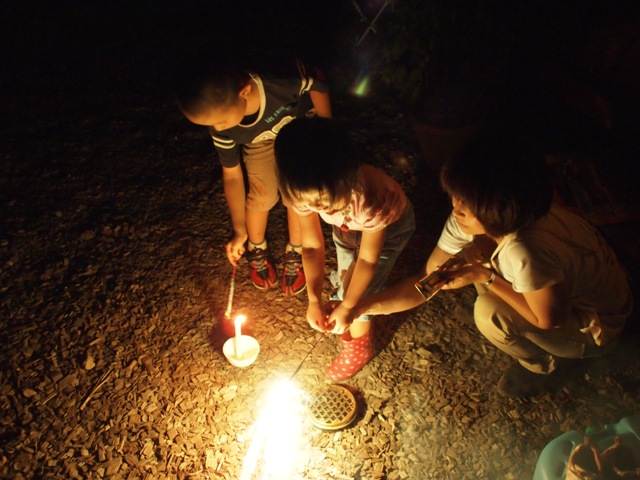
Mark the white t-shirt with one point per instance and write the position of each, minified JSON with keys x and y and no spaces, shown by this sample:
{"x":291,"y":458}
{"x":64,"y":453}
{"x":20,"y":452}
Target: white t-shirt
{"x":561,"y":246}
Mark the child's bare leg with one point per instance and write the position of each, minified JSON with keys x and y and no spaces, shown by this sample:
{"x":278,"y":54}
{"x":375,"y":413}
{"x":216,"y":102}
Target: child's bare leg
{"x":358,"y":328}
{"x":295,"y":236}
{"x":263,"y":271}
{"x":256,"y":227}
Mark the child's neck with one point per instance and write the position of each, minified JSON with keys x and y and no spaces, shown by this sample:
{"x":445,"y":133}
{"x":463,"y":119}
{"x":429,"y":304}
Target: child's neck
{"x":253,"y":99}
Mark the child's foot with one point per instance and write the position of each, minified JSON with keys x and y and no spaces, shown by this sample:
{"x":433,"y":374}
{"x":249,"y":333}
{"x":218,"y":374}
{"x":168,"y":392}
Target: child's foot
{"x":263,"y":271}
{"x":356,"y":353}
{"x":293,"y":280}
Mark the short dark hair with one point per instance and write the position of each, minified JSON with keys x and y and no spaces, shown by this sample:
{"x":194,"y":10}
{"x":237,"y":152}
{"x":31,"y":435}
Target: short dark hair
{"x":204,"y":81}
{"x":316,"y":154}
{"x":505,"y":183}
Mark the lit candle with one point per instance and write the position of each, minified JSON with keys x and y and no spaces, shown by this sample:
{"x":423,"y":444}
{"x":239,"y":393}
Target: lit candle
{"x":238,"y":340}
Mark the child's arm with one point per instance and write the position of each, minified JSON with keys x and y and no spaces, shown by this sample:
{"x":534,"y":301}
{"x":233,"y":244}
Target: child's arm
{"x":322,"y":103}
{"x":403,"y":295}
{"x":233,"y":183}
{"x":365,"y":268}
{"x":313,"y":258}
{"x":550,"y":306}
{"x":545,"y":308}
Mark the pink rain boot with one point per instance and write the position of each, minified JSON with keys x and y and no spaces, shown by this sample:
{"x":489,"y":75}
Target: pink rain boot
{"x":356,"y":353}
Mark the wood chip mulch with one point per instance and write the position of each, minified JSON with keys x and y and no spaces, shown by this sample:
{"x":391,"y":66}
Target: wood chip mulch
{"x":113,"y":285}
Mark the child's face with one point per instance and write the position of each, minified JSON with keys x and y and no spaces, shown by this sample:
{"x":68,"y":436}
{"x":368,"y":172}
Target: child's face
{"x":468,"y":223}
{"x":222,"y":118}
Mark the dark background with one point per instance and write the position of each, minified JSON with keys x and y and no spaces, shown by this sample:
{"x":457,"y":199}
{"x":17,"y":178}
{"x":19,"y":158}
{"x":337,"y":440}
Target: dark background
{"x":567,"y":75}
{"x":552,"y":70}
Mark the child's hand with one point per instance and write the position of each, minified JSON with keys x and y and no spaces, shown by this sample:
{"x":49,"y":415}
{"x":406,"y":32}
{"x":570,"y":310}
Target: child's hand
{"x":465,"y":275}
{"x":340,"y":319}
{"x":317,"y":317}
{"x":235,"y":248}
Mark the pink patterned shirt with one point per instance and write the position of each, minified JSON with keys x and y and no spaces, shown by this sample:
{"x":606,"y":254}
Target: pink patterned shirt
{"x":379,"y":203}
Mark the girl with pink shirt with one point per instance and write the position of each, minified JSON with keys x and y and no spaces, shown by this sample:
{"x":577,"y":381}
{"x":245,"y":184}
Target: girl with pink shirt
{"x":321,"y":176}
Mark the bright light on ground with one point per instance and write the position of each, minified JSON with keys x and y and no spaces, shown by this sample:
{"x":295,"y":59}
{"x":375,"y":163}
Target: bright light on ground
{"x":277,"y":437}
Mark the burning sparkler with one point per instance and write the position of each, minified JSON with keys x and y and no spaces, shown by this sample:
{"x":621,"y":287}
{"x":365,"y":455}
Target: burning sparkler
{"x":277,"y":434}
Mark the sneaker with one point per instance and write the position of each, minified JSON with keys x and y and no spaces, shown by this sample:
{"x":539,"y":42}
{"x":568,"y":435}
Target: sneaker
{"x":520,"y":382}
{"x":293,"y":280}
{"x":263,"y":271}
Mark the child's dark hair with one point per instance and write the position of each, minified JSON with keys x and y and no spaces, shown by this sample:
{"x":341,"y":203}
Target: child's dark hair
{"x":203,"y":81}
{"x":314,"y":154}
{"x":506,"y":184}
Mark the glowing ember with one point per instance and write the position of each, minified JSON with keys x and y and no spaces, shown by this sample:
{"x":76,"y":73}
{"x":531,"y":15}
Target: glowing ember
{"x":277,"y":434}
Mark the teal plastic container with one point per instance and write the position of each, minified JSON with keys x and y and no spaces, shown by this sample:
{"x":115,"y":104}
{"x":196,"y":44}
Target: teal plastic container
{"x":555,"y":455}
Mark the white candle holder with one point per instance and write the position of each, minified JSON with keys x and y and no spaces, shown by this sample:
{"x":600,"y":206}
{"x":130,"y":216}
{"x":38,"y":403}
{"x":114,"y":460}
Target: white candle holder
{"x":241,"y":350}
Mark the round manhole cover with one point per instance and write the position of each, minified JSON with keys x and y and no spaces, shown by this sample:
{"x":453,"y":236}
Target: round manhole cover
{"x":332,"y":407}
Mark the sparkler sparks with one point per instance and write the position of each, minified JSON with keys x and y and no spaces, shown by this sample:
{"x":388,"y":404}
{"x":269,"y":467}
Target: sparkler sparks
{"x":277,"y":434}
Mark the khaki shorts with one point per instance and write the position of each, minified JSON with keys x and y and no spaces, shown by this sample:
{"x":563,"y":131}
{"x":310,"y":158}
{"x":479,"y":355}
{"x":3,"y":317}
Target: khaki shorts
{"x":260,"y":162}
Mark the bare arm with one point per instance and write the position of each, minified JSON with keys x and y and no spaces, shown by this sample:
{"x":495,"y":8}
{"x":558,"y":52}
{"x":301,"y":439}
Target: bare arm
{"x":363,"y":272}
{"x":550,"y":305}
{"x":313,"y":255}
{"x":403,"y":295}
{"x":234,"y":192}
{"x":313,"y":259}
{"x":437,"y":258}
{"x":322,"y":103}
{"x":368,"y":256}
{"x":545,"y":308}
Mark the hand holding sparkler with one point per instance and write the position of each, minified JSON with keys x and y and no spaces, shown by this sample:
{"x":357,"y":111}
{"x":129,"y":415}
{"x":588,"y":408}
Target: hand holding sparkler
{"x":465,"y":275}
{"x":316,"y":316}
{"x":340,"y":319}
{"x":235,"y":249}
{"x":436,"y":280}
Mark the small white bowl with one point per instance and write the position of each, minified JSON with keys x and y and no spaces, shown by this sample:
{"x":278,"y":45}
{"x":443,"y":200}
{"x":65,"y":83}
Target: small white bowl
{"x":249,"y":348}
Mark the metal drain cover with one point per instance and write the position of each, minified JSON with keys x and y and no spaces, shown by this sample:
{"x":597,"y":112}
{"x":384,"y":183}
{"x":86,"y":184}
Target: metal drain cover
{"x":332,"y":407}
